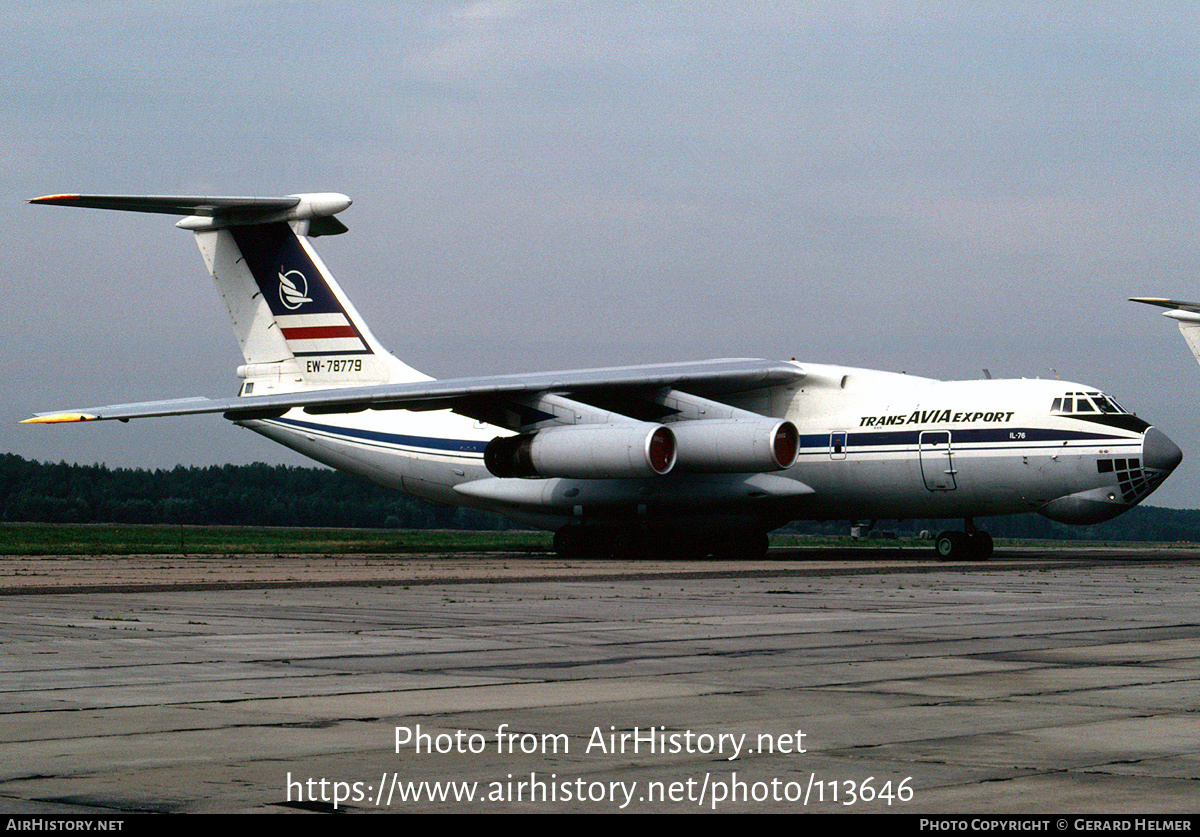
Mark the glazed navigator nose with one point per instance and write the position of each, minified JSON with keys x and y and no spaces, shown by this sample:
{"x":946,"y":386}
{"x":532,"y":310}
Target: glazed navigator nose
{"x":1159,"y":452}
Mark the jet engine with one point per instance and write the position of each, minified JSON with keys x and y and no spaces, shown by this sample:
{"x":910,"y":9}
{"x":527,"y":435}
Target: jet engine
{"x":584,"y":451}
{"x":735,"y":446}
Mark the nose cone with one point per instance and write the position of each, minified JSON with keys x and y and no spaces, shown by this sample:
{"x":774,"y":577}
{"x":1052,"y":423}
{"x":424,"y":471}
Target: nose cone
{"x":1159,"y":452}
{"x":1160,"y":456}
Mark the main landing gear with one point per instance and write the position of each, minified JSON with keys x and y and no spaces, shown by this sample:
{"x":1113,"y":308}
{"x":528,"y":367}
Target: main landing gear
{"x":971,"y":545}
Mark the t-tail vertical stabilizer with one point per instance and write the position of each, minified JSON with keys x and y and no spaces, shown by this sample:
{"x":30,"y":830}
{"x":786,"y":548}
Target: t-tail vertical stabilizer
{"x":295,"y":325}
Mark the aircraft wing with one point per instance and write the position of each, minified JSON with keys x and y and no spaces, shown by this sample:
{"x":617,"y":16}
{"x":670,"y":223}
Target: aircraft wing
{"x":711,"y":377}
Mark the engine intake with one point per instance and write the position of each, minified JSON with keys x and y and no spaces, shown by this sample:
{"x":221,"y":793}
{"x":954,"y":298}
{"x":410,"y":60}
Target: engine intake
{"x":584,"y":451}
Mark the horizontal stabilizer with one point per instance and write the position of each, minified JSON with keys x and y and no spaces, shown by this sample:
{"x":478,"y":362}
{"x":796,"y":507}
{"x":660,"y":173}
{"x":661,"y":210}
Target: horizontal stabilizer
{"x":168,"y":205}
{"x":1193,"y":307}
{"x":204,"y":212}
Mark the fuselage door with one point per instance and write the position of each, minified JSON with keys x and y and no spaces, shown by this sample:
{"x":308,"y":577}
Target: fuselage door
{"x":937,"y":460}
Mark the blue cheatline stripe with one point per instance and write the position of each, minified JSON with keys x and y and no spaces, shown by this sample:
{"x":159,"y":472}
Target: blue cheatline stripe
{"x":810,"y":443}
{"x":961,"y":436}
{"x":427,"y":442}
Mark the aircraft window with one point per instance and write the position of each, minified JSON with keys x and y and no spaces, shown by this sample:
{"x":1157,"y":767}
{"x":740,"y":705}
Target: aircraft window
{"x":1109,"y":404}
{"x":1086,"y":402}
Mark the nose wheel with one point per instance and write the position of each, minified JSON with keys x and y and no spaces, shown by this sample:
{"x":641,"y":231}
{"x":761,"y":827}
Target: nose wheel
{"x":971,"y":545}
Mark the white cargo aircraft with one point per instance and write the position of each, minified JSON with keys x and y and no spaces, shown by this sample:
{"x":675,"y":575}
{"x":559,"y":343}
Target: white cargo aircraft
{"x":680,"y":458}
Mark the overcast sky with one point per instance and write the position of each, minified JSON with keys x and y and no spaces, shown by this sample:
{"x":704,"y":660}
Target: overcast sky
{"x":932,"y":188}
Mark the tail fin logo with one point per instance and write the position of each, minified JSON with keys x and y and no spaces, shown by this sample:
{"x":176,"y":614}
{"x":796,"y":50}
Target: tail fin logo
{"x":293,"y":289}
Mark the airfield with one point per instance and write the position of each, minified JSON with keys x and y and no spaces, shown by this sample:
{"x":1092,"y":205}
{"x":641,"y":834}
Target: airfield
{"x":831,"y":681}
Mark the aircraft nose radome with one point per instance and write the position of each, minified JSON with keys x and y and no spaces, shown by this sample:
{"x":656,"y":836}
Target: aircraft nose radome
{"x":1159,"y":452}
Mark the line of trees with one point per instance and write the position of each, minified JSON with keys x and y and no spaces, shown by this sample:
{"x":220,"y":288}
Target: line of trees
{"x":227,"y":495}
{"x":284,"y":495}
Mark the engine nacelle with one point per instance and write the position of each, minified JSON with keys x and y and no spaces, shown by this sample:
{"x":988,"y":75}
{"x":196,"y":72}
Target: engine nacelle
{"x":584,"y":451}
{"x":736,"y":446}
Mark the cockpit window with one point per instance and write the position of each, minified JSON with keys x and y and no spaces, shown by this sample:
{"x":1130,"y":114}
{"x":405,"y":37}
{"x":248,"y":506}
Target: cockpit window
{"x":1085,"y":402}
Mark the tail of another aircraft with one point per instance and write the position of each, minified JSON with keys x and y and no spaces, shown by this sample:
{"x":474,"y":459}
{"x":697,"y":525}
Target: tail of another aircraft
{"x":1186,"y":314}
{"x":296,"y":328}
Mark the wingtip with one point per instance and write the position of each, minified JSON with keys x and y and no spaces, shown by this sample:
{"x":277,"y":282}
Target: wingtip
{"x":54,"y":199}
{"x":59,"y":418}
